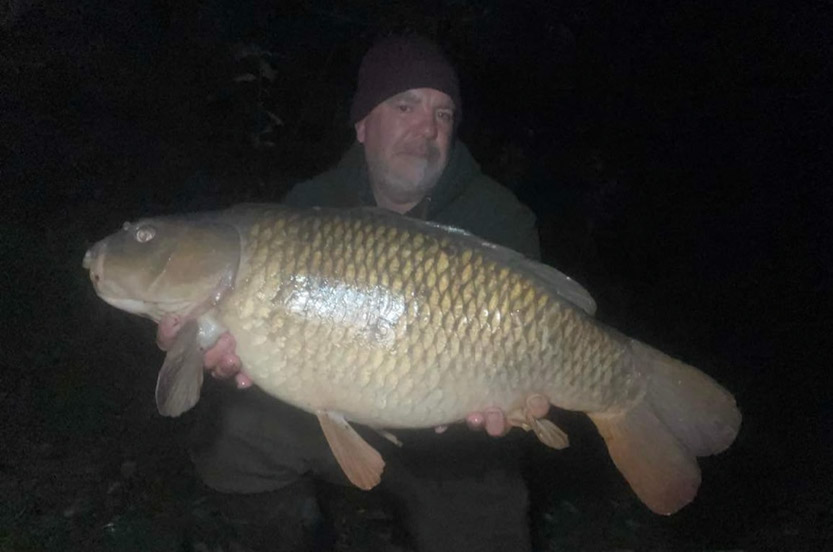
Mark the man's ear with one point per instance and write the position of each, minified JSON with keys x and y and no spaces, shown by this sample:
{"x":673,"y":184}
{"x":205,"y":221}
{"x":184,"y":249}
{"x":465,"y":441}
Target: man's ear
{"x":360,"y":128}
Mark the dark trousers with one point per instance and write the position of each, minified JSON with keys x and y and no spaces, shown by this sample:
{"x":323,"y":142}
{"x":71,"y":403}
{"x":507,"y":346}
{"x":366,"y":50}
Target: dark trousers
{"x":460,"y":490}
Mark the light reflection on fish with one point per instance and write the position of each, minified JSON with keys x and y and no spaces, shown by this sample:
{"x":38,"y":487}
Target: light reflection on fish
{"x":371,"y":317}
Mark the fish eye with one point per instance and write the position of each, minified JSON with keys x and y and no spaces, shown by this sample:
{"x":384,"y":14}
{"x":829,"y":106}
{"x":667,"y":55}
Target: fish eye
{"x":145,"y":233}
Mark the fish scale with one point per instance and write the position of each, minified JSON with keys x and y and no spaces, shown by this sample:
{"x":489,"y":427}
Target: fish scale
{"x":477,"y":337}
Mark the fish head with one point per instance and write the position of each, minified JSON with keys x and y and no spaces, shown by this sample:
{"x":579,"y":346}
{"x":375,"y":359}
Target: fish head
{"x":164,"y":266}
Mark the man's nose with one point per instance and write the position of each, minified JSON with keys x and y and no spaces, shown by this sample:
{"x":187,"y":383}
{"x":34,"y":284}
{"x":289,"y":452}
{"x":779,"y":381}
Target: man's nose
{"x":428,"y":126}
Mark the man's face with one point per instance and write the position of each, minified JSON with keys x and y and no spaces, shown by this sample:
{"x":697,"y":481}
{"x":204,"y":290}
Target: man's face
{"x":407,"y":139}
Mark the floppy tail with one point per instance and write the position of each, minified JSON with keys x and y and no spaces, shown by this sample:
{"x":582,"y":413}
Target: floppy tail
{"x":683,"y":414}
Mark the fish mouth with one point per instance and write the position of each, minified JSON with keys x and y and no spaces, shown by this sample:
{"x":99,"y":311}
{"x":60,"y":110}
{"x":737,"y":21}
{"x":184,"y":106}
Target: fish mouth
{"x":94,"y":262}
{"x":88,"y":260}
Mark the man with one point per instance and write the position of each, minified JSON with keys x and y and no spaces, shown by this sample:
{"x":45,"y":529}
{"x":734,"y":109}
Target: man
{"x":460,"y":491}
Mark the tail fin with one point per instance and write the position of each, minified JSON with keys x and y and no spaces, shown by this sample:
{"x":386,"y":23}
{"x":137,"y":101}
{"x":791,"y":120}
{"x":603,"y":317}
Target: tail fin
{"x":684,"y":414}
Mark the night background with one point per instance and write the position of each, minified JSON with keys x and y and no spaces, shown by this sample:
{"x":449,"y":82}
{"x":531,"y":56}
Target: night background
{"x":677,"y":157}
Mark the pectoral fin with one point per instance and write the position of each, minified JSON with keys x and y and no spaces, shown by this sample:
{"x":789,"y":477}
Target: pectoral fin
{"x":531,"y":417}
{"x":390,"y":437}
{"x":361,"y":463}
{"x":550,"y":434}
{"x":180,"y":379}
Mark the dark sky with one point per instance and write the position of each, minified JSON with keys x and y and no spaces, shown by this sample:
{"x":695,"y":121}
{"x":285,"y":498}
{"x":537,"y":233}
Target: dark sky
{"x":677,"y":155}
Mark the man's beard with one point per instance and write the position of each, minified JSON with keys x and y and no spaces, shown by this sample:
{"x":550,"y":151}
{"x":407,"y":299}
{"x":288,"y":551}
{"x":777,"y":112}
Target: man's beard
{"x":417,"y":181}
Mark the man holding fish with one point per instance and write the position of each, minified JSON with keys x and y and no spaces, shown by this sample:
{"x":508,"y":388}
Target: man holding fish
{"x":376,"y":317}
{"x":405,"y":112}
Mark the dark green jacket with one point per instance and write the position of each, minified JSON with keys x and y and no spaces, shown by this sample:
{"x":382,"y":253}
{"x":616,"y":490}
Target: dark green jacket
{"x":464,"y":197}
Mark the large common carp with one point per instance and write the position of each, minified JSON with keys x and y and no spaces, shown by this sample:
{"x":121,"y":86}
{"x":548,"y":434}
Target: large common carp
{"x":371,"y":317}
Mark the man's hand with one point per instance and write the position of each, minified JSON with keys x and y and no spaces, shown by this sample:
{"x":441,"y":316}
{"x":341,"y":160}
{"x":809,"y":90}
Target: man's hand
{"x":222,"y":362}
{"x":494,"y":420}
{"x":169,"y":326}
{"x":220,"y":359}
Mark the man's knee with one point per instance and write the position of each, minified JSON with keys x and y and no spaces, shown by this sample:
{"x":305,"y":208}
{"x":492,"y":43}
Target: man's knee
{"x":246,"y":442}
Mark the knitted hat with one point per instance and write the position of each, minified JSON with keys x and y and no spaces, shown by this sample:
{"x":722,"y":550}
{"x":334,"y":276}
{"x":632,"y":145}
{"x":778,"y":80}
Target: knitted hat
{"x":398,"y":63}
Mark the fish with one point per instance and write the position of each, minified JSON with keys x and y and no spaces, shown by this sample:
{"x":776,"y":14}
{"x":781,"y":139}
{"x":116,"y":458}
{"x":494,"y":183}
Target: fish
{"x":367,"y":316}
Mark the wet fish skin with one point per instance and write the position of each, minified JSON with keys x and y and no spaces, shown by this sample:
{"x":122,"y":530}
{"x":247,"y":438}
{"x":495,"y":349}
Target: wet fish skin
{"x":396,"y":324}
{"x":368,"y":316}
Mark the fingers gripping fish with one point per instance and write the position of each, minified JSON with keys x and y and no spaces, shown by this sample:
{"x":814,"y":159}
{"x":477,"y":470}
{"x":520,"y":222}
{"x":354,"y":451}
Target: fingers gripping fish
{"x":370,"y":317}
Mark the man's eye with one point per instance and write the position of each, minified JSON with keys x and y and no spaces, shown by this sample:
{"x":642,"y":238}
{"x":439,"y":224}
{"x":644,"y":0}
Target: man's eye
{"x":404,"y":108}
{"x":446,"y":116}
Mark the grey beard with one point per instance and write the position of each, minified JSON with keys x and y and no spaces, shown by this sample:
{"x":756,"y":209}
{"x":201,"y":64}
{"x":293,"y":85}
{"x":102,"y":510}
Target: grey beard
{"x":399,"y":189}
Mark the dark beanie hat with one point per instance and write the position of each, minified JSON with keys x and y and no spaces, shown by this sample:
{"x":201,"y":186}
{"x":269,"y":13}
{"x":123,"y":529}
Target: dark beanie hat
{"x":399,"y":63}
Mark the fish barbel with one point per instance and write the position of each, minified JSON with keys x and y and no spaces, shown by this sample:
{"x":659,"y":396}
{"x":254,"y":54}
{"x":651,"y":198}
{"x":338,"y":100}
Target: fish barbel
{"x":371,"y":317}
